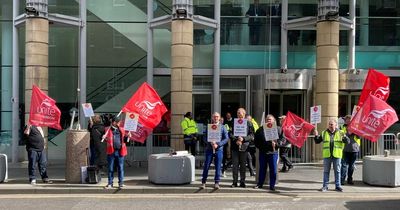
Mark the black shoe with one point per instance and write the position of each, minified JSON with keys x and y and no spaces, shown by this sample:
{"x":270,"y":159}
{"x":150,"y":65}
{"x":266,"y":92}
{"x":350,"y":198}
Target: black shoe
{"x":47,"y":181}
{"x":339,"y":189}
{"x":350,"y":182}
{"x":342,"y":182}
{"x":243,"y":185}
{"x":283,"y":170}
{"x":290,"y":167}
{"x":272,"y":189}
{"x":234,"y":185}
{"x":258,"y":187}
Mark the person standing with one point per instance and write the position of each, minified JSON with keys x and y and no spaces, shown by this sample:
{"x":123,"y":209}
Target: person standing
{"x":35,"y":147}
{"x":239,"y":145}
{"x":116,"y":151}
{"x":350,"y":153}
{"x":332,"y":151}
{"x":284,"y":147}
{"x":189,"y":129}
{"x":251,"y":150}
{"x":255,"y":22}
{"x":214,"y":150}
{"x":98,"y":155}
{"x":228,"y":123}
{"x":268,"y":154}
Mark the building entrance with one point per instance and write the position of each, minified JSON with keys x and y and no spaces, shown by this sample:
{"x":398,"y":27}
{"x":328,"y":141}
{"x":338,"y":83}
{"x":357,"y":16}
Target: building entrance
{"x":278,"y":102}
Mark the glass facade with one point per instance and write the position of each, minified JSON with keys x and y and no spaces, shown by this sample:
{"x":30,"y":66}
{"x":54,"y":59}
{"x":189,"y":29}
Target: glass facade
{"x":117,"y":50}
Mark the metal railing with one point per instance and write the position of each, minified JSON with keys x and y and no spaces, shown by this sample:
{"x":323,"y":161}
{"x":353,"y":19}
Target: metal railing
{"x":162,"y":144}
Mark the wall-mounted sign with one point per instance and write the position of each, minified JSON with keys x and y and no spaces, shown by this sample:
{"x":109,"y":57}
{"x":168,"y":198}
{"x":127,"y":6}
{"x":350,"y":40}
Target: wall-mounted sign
{"x":280,"y":81}
{"x":351,"y":81}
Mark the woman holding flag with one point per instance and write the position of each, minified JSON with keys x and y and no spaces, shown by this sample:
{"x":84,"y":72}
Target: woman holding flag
{"x":215,"y":148}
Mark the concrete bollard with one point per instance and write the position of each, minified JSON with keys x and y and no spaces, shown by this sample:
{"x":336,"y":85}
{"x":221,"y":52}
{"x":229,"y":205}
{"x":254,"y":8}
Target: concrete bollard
{"x":77,"y":142}
{"x":386,"y":153}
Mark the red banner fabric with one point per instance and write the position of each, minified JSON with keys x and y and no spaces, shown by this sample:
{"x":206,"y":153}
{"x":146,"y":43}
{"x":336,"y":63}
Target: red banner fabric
{"x":374,"y":117}
{"x":140,"y":134}
{"x":376,"y":84}
{"x":147,"y":104}
{"x":295,"y":129}
{"x":43,"y":111}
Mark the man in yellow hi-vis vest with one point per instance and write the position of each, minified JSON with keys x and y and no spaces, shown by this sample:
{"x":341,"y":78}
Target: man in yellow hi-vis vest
{"x":333,"y":142}
{"x":350,"y":153}
{"x":189,"y":129}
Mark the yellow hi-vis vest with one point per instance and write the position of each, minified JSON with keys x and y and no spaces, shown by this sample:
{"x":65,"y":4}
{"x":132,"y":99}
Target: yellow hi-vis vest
{"x":356,"y":138}
{"x":337,"y":144}
{"x":188,"y":126}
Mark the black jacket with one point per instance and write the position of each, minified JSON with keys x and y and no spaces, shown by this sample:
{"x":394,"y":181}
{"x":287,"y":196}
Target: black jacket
{"x":96,"y":133}
{"x":253,"y":12}
{"x":35,"y":140}
{"x":262,"y":145}
{"x":246,"y":140}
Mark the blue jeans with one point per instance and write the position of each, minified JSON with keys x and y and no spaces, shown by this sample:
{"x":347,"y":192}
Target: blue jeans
{"x":217,"y":162}
{"x":336,"y":168}
{"x":38,"y":157}
{"x":271,"y":160}
{"x":349,"y":158}
{"x":111,"y":158}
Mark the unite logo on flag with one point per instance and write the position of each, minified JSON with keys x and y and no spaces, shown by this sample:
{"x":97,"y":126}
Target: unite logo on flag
{"x":294,"y":130}
{"x":148,"y":104}
{"x":381,"y":93}
{"x":146,"y":108}
{"x":45,"y":108}
{"x":374,"y":117}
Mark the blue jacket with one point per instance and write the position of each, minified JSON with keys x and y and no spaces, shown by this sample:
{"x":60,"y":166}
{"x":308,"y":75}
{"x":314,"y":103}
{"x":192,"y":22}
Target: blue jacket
{"x":224,"y":140}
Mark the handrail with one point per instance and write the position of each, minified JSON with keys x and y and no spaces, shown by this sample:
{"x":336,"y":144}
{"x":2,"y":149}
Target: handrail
{"x":168,"y":11}
{"x":117,"y":77}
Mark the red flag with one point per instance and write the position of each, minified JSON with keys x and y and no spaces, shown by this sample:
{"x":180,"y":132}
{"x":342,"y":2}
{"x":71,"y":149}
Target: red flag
{"x":374,"y":117}
{"x":295,"y":129}
{"x":140,"y":134}
{"x":43,"y":111}
{"x":376,"y":84}
{"x":147,"y":104}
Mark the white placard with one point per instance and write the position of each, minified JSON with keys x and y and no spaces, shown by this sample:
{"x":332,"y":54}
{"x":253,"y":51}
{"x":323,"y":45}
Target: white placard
{"x":88,"y":110}
{"x":270,"y":132}
{"x":315,"y":114}
{"x":84,"y":174}
{"x":240,"y":127}
{"x":214,"y":133}
{"x":131,"y":121}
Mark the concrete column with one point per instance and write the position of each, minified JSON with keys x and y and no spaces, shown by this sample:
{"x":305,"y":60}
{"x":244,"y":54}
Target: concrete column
{"x":181,"y":77}
{"x":364,"y":23}
{"x":327,"y":74}
{"x":36,"y":60}
{"x":6,"y":73}
{"x":77,"y":143}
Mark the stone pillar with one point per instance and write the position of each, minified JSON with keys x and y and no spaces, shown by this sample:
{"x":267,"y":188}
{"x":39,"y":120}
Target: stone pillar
{"x":76,"y":156}
{"x":181,"y":77}
{"x":36,"y":59}
{"x":327,"y":74}
{"x":6,"y":74}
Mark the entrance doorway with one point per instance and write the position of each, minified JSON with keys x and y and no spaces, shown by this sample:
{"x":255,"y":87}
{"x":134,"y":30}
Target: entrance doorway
{"x":231,"y":101}
{"x":347,"y":100}
{"x":278,"y":102}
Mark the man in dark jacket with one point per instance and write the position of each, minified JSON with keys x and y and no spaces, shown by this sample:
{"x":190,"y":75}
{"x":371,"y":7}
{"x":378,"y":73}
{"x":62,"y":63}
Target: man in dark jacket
{"x":268,"y":154}
{"x":239,"y":145}
{"x":255,"y":22}
{"x":36,"y":153}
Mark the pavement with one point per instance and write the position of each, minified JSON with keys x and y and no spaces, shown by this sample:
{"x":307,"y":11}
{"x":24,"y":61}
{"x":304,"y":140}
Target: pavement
{"x":301,"y":180}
